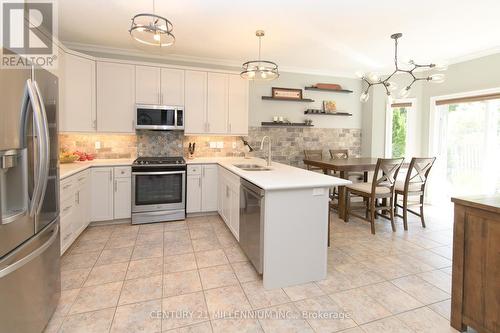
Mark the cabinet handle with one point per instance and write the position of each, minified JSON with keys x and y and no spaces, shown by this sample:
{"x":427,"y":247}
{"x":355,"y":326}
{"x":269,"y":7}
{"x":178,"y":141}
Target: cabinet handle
{"x":67,"y":208}
{"x":203,"y":172}
{"x":80,"y":179}
{"x":115,"y":186}
{"x":229,"y":127}
{"x":94,"y":124}
{"x":66,"y":186}
{"x":227,"y":191}
{"x":199,"y":182}
{"x":77,"y":197}
{"x":208,"y":124}
{"x":110,"y":175}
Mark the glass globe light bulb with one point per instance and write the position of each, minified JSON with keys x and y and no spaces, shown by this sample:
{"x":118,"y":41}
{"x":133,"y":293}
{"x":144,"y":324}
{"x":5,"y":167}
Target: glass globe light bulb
{"x":156,"y":37}
{"x":251,"y":75}
{"x":441,"y":66}
{"x":436,"y":78}
{"x":364,"y":97}
{"x":360,"y":74}
{"x":391,"y":85}
{"x":404,"y":92}
{"x":373,"y":77}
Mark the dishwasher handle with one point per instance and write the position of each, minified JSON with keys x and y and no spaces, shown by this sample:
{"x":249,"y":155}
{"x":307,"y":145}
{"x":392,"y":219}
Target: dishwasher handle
{"x":257,"y":191}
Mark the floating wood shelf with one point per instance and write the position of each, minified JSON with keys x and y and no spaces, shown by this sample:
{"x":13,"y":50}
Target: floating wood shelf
{"x":273,"y":124}
{"x":322,"y":113}
{"x":270,"y":98}
{"x":343,"y":91}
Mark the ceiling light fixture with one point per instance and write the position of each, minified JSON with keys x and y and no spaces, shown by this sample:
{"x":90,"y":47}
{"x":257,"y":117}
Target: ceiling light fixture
{"x":372,"y":79}
{"x":260,"y":70}
{"x":152,"y":30}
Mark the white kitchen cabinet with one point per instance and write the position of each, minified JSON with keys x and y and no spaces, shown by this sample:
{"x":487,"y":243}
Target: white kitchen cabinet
{"x":202,"y":188}
{"x":147,"y":85}
{"x":195,"y":102}
{"x":102,"y":201}
{"x":74,"y":216}
{"x":209,"y":181}
{"x":217,"y":103}
{"x":79,"y":110}
{"x":115,"y":97}
{"x":193,"y":198}
{"x":237,"y":105}
{"x":229,"y":200}
{"x":172,"y":86}
{"x":122,"y":193}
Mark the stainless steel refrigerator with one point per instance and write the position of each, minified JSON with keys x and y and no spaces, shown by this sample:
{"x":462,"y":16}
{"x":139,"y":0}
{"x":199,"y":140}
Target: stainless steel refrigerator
{"x":29,"y":199}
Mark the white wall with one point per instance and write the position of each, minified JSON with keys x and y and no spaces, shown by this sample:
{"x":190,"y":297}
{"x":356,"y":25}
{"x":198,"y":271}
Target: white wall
{"x":263,"y":110}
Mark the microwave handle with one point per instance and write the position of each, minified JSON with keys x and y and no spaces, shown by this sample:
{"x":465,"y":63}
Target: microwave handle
{"x":175,"y":117}
{"x":157,"y":173}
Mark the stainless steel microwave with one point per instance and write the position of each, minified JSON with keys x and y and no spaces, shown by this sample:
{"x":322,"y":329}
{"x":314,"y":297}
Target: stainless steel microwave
{"x":159,"y":117}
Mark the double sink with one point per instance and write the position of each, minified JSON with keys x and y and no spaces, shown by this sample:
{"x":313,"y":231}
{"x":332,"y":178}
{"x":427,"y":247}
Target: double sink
{"x":252,"y":167}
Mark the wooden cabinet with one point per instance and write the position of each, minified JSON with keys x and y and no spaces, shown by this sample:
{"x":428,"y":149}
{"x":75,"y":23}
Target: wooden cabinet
{"x":115,"y":97}
{"x":122,"y":193}
{"x":195,"y":103}
{"x":237,"y":105}
{"x":74,"y":216}
{"x":147,"y":85}
{"x":172,"y":86}
{"x":102,"y":194}
{"x":201,"y":188}
{"x":229,"y":200}
{"x":217,"y":103}
{"x":79,"y":110}
{"x":475,"y":297}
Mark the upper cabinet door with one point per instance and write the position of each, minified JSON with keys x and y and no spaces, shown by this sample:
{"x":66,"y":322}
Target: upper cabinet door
{"x":217,"y":103}
{"x":195,"y":104}
{"x":115,"y":97}
{"x":172,"y":86}
{"x":79,"y":111}
{"x":147,"y":85}
{"x":238,"y":105}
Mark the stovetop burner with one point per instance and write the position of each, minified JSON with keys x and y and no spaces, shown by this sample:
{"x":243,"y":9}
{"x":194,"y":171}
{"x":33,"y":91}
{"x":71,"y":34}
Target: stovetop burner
{"x":164,"y":160}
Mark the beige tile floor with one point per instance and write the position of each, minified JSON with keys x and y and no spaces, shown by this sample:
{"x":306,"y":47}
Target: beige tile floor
{"x":120,"y":278}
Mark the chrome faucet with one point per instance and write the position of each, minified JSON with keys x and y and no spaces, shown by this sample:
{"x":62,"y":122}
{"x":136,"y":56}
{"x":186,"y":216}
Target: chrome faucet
{"x":269,"y":149}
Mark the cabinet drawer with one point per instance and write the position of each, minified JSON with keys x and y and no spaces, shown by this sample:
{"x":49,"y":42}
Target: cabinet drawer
{"x":82,"y":178}
{"x":67,"y":206}
{"x":122,"y":172}
{"x":68,"y":187}
{"x":194,"y":169}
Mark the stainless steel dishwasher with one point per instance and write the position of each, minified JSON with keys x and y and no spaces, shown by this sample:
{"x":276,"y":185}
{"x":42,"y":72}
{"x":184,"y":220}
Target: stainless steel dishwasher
{"x":251,"y":222}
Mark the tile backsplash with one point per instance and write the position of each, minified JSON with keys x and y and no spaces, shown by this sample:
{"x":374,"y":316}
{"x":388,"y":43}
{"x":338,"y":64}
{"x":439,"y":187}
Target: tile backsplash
{"x":288,"y":144}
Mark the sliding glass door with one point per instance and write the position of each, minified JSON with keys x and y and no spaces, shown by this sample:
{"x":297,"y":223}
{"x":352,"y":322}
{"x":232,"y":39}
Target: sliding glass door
{"x":468,"y":147}
{"x":400,"y":129}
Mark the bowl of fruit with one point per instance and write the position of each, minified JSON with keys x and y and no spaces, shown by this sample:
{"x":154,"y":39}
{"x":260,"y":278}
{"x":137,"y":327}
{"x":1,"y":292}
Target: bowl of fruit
{"x":67,"y":157}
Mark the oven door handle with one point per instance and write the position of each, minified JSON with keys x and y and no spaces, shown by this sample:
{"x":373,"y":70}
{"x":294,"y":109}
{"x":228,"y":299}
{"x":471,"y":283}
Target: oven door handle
{"x":157,"y":173}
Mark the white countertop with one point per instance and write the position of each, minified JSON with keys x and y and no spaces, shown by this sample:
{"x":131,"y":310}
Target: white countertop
{"x":280,"y":177}
{"x":69,"y":169}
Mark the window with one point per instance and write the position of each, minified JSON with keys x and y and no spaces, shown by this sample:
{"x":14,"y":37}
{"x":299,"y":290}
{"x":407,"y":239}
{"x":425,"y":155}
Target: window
{"x":467,"y":144}
{"x":399,"y":129}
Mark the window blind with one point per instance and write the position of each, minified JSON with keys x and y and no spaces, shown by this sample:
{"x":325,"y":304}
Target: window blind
{"x":468,"y":99}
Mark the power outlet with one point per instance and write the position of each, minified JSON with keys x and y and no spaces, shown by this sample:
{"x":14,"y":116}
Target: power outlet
{"x":220,"y":144}
{"x":97,"y":145}
{"x":213,"y":144}
{"x":234,"y":145}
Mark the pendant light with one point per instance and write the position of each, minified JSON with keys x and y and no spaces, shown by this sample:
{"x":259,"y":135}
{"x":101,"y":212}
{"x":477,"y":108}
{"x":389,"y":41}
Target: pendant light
{"x":372,"y":79}
{"x":260,"y":70}
{"x":152,"y":30}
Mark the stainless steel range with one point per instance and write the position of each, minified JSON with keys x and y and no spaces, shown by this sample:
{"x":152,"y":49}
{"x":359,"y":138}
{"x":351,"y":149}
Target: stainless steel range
{"x":158,"y":189}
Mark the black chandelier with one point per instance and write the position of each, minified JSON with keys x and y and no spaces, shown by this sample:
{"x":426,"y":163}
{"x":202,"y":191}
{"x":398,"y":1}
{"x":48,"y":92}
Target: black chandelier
{"x":372,"y":79}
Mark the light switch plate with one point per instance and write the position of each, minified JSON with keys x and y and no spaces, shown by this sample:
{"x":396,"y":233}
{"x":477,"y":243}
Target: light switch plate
{"x":213,"y":144}
{"x":220,"y":144}
{"x":97,"y":145}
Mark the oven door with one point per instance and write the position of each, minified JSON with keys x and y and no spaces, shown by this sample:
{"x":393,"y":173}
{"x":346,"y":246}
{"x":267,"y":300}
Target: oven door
{"x":155,"y":117}
{"x":158,"y":190}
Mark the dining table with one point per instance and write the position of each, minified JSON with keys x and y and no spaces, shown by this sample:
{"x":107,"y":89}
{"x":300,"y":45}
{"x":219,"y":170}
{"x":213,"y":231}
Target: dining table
{"x":342,"y":167}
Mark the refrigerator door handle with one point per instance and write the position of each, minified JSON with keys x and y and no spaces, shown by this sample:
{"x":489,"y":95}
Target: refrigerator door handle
{"x":31,"y":98}
{"x":23,"y":261}
{"x":44,"y":138}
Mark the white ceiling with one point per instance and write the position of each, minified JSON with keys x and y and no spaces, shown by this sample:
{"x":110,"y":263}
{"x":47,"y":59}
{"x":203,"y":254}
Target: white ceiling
{"x":322,"y":36}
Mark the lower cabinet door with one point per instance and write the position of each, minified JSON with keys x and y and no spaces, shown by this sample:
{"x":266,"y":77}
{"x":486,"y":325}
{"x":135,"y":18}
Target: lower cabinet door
{"x":234,"y":204}
{"x":193,"y":200}
{"x":122,"y":198}
{"x":101,"y":194}
{"x":209,"y":188}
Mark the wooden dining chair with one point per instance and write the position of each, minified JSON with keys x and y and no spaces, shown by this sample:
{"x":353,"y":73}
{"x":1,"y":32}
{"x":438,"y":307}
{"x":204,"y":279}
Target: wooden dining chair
{"x":338,"y":154}
{"x":413,"y":185}
{"x":313,"y":154}
{"x":381,"y":187}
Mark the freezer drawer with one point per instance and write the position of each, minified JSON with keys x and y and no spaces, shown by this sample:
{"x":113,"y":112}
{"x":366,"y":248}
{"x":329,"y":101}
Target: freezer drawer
{"x":30,"y":283}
